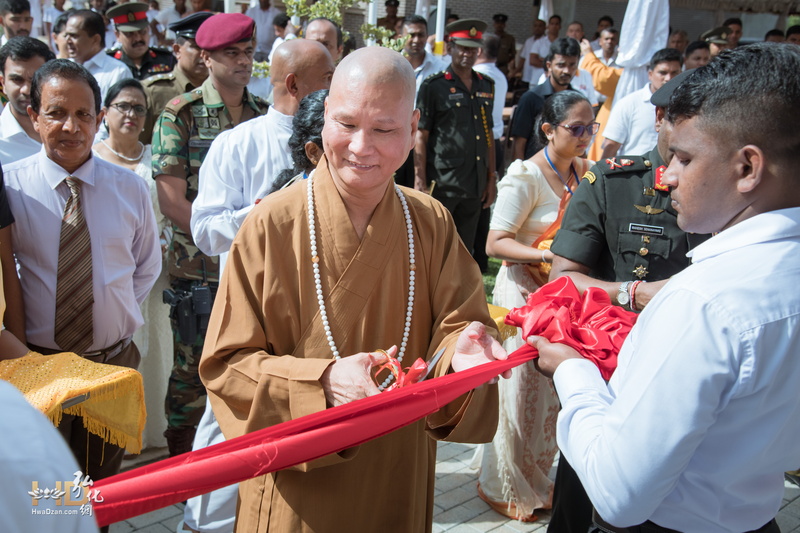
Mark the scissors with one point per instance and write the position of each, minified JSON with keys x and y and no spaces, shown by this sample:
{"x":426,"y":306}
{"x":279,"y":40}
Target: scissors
{"x":432,"y":363}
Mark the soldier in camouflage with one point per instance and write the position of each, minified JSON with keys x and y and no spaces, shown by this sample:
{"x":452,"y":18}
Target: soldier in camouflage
{"x":181,"y":139}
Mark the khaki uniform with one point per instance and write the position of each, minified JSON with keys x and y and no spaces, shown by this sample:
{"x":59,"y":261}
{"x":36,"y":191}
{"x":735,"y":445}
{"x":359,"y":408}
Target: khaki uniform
{"x":160,"y":89}
{"x":506,"y":53}
{"x":181,"y":139}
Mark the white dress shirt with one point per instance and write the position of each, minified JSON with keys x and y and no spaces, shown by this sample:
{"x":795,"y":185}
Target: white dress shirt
{"x":238,"y":171}
{"x":530,"y":73}
{"x":702,"y":416}
{"x":107,"y":71}
{"x":500,"y":90}
{"x":126,"y":255}
{"x":582,"y":82}
{"x":430,"y":65}
{"x":632,"y":123}
{"x":265,"y":32}
{"x":15,"y":144}
{"x":167,"y":17}
{"x":31,"y":449}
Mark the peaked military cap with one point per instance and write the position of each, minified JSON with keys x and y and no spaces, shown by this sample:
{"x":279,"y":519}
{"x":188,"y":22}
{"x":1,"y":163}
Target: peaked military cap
{"x":717,"y":35}
{"x":466,"y":32}
{"x":129,"y":17}
{"x":187,"y":27}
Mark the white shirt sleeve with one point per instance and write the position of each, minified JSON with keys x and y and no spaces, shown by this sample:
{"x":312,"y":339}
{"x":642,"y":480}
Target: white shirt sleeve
{"x":618,"y":125}
{"x":631,"y":441}
{"x":146,"y":249}
{"x":220,"y":207}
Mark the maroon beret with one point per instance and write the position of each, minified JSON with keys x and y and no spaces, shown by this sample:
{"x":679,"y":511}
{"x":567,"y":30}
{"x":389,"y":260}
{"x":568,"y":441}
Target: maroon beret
{"x":224,"y":29}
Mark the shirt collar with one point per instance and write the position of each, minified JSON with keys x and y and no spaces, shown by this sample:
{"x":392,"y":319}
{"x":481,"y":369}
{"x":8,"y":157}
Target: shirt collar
{"x":283,"y":121}
{"x":96,"y":59}
{"x":54,"y":174}
{"x":9,"y":125}
{"x":770,"y":226}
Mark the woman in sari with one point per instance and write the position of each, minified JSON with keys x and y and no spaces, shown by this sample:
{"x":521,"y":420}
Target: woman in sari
{"x":530,"y":204}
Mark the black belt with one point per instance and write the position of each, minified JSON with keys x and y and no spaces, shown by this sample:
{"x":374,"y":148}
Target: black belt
{"x":650,"y":527}
{"x":99,"y":356}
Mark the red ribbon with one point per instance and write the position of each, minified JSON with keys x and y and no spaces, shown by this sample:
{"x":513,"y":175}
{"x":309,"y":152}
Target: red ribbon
{"x":403,"y":378}
{"x":130,"y":17}
{"x":588,"y":323}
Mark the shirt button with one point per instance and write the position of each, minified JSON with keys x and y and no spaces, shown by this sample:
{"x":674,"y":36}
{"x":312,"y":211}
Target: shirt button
{"x":643,"y":251}
{"x":475,"y":117}
{"x":478,"y":158}
{"x":478,"y":137}
{"x":458,"y":104}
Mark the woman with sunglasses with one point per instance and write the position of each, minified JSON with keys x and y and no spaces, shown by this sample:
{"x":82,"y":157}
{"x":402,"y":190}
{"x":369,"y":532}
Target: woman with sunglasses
{"x":530,"y":203}
{"x":125,"y":107}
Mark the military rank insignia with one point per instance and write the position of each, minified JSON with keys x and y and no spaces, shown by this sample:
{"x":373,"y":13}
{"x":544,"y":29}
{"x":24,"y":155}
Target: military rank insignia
{"x":659,"y":184}
{"x":589,"y":176}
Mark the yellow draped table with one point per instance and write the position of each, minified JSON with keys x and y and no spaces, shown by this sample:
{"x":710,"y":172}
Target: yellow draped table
{"x":109,"y":398}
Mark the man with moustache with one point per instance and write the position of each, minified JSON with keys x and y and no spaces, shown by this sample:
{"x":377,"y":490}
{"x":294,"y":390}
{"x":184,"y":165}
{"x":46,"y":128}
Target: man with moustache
{"x":85,"y":33}
{"x":132,"y":29}
{"x":455,"y":143}
{"x":562,"y":64}
{"x":284,"y":342}
{"x":699,"y":421}
{"x":328,"y":33}
{"x":20,"y":57}
{"x":190,"y":71}
{"x":181,"y":140}
{"x":86,"y":241}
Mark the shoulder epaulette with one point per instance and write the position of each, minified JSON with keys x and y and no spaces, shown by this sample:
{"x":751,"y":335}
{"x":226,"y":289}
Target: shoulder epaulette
{"x":179,"y":102}
{"x":624,"y":165}
{"x":435,"y":75}
{"x":158,"y":77}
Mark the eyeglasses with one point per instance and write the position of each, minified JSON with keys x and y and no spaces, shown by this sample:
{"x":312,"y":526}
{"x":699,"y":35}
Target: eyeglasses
{"x":578,"y":130}
{"x":125,"y":108}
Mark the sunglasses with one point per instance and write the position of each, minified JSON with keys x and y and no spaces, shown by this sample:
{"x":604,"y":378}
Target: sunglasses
{"x":125,"y":108}
{"x":578,"y":130}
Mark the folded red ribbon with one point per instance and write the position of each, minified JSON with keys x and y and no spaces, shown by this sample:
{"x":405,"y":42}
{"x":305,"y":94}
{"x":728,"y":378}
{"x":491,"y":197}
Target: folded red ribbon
{"x":590,"y":323}
{"x":403,"y":377}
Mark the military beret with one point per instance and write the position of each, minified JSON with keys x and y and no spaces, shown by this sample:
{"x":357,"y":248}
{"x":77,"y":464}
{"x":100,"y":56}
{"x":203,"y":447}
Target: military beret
{"x":392,"y":3}
{"x":466,"y":32}
{"x":129,"y":17}
{"x":187,"y":27}
{"x":224,"y":29}
{"x":717,"y":35}
{"x":661,"y":97}
{"x":500,"y":17}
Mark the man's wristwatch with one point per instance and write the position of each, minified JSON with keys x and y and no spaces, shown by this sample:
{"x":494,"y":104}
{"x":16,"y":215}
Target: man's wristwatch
{"x":623,"y":297}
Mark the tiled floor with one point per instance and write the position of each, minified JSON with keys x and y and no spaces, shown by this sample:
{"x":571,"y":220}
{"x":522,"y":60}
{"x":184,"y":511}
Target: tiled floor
{"x":458,"y":508}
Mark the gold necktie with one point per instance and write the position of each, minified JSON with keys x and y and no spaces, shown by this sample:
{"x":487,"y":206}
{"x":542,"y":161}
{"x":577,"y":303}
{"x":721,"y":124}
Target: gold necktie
{"x":74,"y":330}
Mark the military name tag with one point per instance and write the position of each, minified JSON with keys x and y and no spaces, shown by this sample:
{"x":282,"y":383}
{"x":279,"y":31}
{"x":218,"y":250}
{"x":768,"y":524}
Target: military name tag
{"x":645,"y":229}
{"x":456,"y":96}
{"x":197,"y":143}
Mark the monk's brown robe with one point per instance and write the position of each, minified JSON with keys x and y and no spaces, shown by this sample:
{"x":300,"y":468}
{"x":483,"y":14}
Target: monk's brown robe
{"x":266,"y":350}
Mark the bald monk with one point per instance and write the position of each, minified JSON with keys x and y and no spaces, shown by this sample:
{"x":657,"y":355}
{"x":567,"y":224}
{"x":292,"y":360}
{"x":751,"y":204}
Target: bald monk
{"x":242,"y":162}
{"x":276,"y":351}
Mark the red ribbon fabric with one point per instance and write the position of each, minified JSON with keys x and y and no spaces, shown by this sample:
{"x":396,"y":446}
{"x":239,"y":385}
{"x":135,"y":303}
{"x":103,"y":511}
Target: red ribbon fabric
{"x":297,"y":441}
{"x":590,"y":324}
{"x":403,"y":378}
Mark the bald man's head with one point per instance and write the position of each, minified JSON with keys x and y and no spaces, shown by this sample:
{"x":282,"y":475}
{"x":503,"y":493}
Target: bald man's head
{"x":370,"y":120}
{"x":299,"y":67}
{"x":376,"y":66}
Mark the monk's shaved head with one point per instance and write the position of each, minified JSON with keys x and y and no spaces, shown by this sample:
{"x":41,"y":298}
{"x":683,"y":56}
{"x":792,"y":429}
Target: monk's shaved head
{"x":299,"y":67}
{"x":376,"y":66}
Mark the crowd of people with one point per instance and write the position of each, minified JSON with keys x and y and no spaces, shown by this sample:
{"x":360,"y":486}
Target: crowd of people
{"x":256,"y":249}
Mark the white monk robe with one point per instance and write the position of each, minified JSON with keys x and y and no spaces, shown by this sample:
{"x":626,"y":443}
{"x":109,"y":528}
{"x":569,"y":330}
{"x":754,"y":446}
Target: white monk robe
{"x":266,"y":350}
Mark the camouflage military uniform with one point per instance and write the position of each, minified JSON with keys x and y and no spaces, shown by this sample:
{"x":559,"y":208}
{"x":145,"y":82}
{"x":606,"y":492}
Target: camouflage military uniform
{"x":160,"y":89}
{"x":154,"y":61}
{"x":181,"y":139}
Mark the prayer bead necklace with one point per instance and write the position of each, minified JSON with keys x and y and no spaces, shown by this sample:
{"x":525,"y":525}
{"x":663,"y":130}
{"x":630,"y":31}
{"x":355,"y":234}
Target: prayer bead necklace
{"x":318,"y":279}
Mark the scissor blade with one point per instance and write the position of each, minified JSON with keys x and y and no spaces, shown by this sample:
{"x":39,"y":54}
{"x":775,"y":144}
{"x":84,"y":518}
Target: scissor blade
{"x":432,"y":363}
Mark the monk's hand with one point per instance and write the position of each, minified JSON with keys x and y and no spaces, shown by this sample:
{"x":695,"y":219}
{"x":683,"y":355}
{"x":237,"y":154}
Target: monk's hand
{"x":350,"y":378}
{"x":550,"y":354}
{"x":476,"y":347}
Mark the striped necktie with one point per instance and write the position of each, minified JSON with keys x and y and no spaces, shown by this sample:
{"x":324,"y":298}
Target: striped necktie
{"x":74,"y":297}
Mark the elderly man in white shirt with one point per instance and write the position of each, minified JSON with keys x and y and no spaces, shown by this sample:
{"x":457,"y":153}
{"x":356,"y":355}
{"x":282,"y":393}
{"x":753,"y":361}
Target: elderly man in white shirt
{"x":19,"y":59}
{"x":85,"y":34}
{"x":701,"y":418}
{"x":630,"y":125}
{"x":85,"y":270}
{"x":237,"y":172}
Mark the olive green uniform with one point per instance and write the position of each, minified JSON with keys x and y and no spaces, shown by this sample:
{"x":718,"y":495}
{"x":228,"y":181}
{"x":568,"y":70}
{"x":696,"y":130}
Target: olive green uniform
{"x":621,"y":226}
{"x":506,"y":53}
{"x":155,"y":61}
{"x":160,"y":89}
{"x":459,"y":123}
{"x":181,"y":139}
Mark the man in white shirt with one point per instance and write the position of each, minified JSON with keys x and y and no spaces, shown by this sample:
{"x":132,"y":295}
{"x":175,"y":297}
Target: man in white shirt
{"x":602,"y":23}
{"x":694,"y":430}
{"x":241,"y":163}
{"x":85,"y":33}
{"x":168,"y":16}
{"x":263,"y":14}
{"x":415,"y":30}
{"x":529,"y":73}
{"x":630,"y":125}
{"x":609,"y":41}
{"x":15,"y":19}
{"x":124,"y":256}
{"x":19,"y":59}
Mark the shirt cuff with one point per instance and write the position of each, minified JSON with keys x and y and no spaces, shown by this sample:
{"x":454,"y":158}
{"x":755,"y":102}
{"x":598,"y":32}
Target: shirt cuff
{"x":576,"y":376}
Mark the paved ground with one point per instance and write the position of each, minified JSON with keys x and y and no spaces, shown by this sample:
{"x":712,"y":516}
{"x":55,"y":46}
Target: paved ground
{"x":458,"y":508}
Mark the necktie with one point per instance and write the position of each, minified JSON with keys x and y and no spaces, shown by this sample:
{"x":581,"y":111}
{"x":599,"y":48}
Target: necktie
{"x":74,"y":297}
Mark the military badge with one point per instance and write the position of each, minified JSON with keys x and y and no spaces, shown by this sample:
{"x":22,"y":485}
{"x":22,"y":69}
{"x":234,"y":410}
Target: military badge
{"x":612,"y":163}
{"x":626,"y":162}
{"x":640,"y":271}
{"x":589,"y":176}
{"x":648,"y":209}
{"x":660,"y":178}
